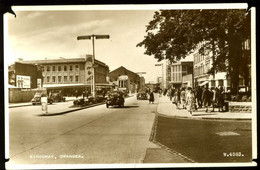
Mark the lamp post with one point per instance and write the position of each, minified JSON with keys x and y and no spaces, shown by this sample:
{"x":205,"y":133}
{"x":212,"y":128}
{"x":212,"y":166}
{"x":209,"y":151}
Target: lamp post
{"x":162,"y":73}
{"x":93,"y":36}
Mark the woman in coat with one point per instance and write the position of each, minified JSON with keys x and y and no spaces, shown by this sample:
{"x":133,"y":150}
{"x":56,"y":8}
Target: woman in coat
{"x":151,"y":99}
{"x":190,"y":101}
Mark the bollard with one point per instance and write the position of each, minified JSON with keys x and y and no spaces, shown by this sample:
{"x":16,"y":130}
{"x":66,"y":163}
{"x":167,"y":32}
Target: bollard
{"x":44,"y":102}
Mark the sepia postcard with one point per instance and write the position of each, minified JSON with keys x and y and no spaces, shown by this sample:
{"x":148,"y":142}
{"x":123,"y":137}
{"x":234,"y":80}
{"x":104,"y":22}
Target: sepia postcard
{"x":130,"y":86}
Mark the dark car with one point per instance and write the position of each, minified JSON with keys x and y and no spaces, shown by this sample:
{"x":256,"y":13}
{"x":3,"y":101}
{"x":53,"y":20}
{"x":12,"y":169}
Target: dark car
{"x":115,"y":98}
{"x":142,"y":96}
{"x":57,"y":97}
{"x":37,"y":98}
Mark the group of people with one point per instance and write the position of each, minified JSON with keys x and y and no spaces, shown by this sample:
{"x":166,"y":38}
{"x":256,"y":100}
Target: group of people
{"x":192,"y":99}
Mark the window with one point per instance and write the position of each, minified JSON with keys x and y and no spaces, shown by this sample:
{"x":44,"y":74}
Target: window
{"x":59,"y":68}
{"x":70,"y":67}
{"x":71,"y":78}
{"x":48,"y":68}
{"x":48,"y":79}
{"x":220,"y":82}
{"x":59,"y":79}
{"x":43,"y":68}
{"x":77,"y":78}
{"x":65,"y":68}
{"x":53,"y":79}
{"x":77,"y":67}
{"x":65,"y":78}
{"x":53,"y":68}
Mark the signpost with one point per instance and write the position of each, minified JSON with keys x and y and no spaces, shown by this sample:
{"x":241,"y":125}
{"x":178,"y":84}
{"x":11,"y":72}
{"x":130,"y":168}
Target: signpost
{"x":44,"y":102}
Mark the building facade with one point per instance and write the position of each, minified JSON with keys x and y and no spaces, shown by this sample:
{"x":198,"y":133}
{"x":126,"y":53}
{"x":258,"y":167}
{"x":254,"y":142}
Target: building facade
{"x":124,"y":79}
{"x":73,"y":74}
{"x":177,"y":71}
{"x":25,"y":76}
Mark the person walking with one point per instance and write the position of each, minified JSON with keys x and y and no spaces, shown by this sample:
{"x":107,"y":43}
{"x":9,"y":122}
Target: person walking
{"x":206,"y":97}
{"x":177,"y":98}
{"x":221,"y":99}
{"x":172,"y":93}
{"x":151,"y":99}
{"x":83,"y":94}
{"x":190,"y":100}
{"x":198,"y":95}
{"x":183,"y":98}
{"x":214,"y":99}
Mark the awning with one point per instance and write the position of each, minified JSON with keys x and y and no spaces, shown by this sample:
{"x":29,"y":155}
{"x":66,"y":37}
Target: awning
{"x":202,"y":84}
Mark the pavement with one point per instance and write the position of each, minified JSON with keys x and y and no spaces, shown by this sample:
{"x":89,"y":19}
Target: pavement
{"x":11,"y":105}
{"x":168,"y":109}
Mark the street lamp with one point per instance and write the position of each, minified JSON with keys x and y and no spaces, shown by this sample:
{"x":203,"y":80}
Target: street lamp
{"x":84,"y":37}
{"x":162,"y":73}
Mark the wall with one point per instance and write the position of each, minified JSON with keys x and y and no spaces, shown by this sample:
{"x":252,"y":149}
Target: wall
{"x":16,"y":96}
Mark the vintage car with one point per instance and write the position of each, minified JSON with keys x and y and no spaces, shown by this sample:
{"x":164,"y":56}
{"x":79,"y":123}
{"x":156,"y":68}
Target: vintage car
{"x":37,"y":98}
{"x":115,"y":98}
{"x":142,"y":95}
{"x":58,"y":97}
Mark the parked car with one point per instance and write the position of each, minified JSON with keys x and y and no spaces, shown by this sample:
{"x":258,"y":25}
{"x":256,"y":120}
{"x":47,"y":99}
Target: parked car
{"x":142,"y":95}
{"x":58,"y":97}
{"x":84,"y":102}
{"x":115,"y":98}
{"x":37,"y":98}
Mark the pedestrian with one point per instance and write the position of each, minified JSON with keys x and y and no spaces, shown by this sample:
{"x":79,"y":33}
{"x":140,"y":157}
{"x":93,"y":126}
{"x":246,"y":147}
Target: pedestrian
{"x":198,"y":95}
{"x":172,"y":93}
{"x":177,"y":99}
{"x":190,"y":100}
{"x":206,"y":97}
{"x":183,"y":98}
{"x":221,"y":99}
{"x":211,"y":96}
{"x":83,"y":94}
{"x":151,"y":99}
{"x":215,"y":99}
{"x":76,"y":93}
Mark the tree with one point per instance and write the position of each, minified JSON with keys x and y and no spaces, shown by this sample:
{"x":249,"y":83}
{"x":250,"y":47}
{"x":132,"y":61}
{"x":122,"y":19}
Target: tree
{"x":173,"y":34}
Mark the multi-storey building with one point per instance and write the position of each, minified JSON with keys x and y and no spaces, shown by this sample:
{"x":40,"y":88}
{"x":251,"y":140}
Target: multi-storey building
{"x":203,"y":63}
{"x":72,"y":74}
{"x":176,"y":71}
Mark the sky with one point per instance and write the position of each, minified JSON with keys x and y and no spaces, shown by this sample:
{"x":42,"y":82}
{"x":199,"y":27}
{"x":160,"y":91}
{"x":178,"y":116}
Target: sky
{"x":40,"y":34}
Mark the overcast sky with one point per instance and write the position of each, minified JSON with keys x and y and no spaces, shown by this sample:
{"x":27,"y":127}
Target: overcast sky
{"x":53,"y":34}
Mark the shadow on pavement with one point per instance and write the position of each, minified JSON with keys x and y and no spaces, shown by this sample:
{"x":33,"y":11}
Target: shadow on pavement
{"x":203,"y":114}
{"x":125,"y":107}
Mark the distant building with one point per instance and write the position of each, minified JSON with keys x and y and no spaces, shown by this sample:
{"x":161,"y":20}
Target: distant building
{"x":177,"y":71}
{"x":72,"y":75}
{"x":124,"y":79}
{"x":25,"y":76}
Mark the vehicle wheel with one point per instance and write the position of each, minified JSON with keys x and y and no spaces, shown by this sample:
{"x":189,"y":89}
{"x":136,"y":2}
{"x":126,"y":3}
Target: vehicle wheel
{"x":50,"y":102}
{"x":33,"y":104}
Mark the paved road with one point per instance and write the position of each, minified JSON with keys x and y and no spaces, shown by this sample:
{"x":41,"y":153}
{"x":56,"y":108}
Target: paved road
{"x":206,"y":141}
{"x":93,"y":135}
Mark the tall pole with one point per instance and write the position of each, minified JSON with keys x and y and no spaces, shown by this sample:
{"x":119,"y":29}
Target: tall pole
{"x":93,"y":57}
{"x":93,"y":62}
